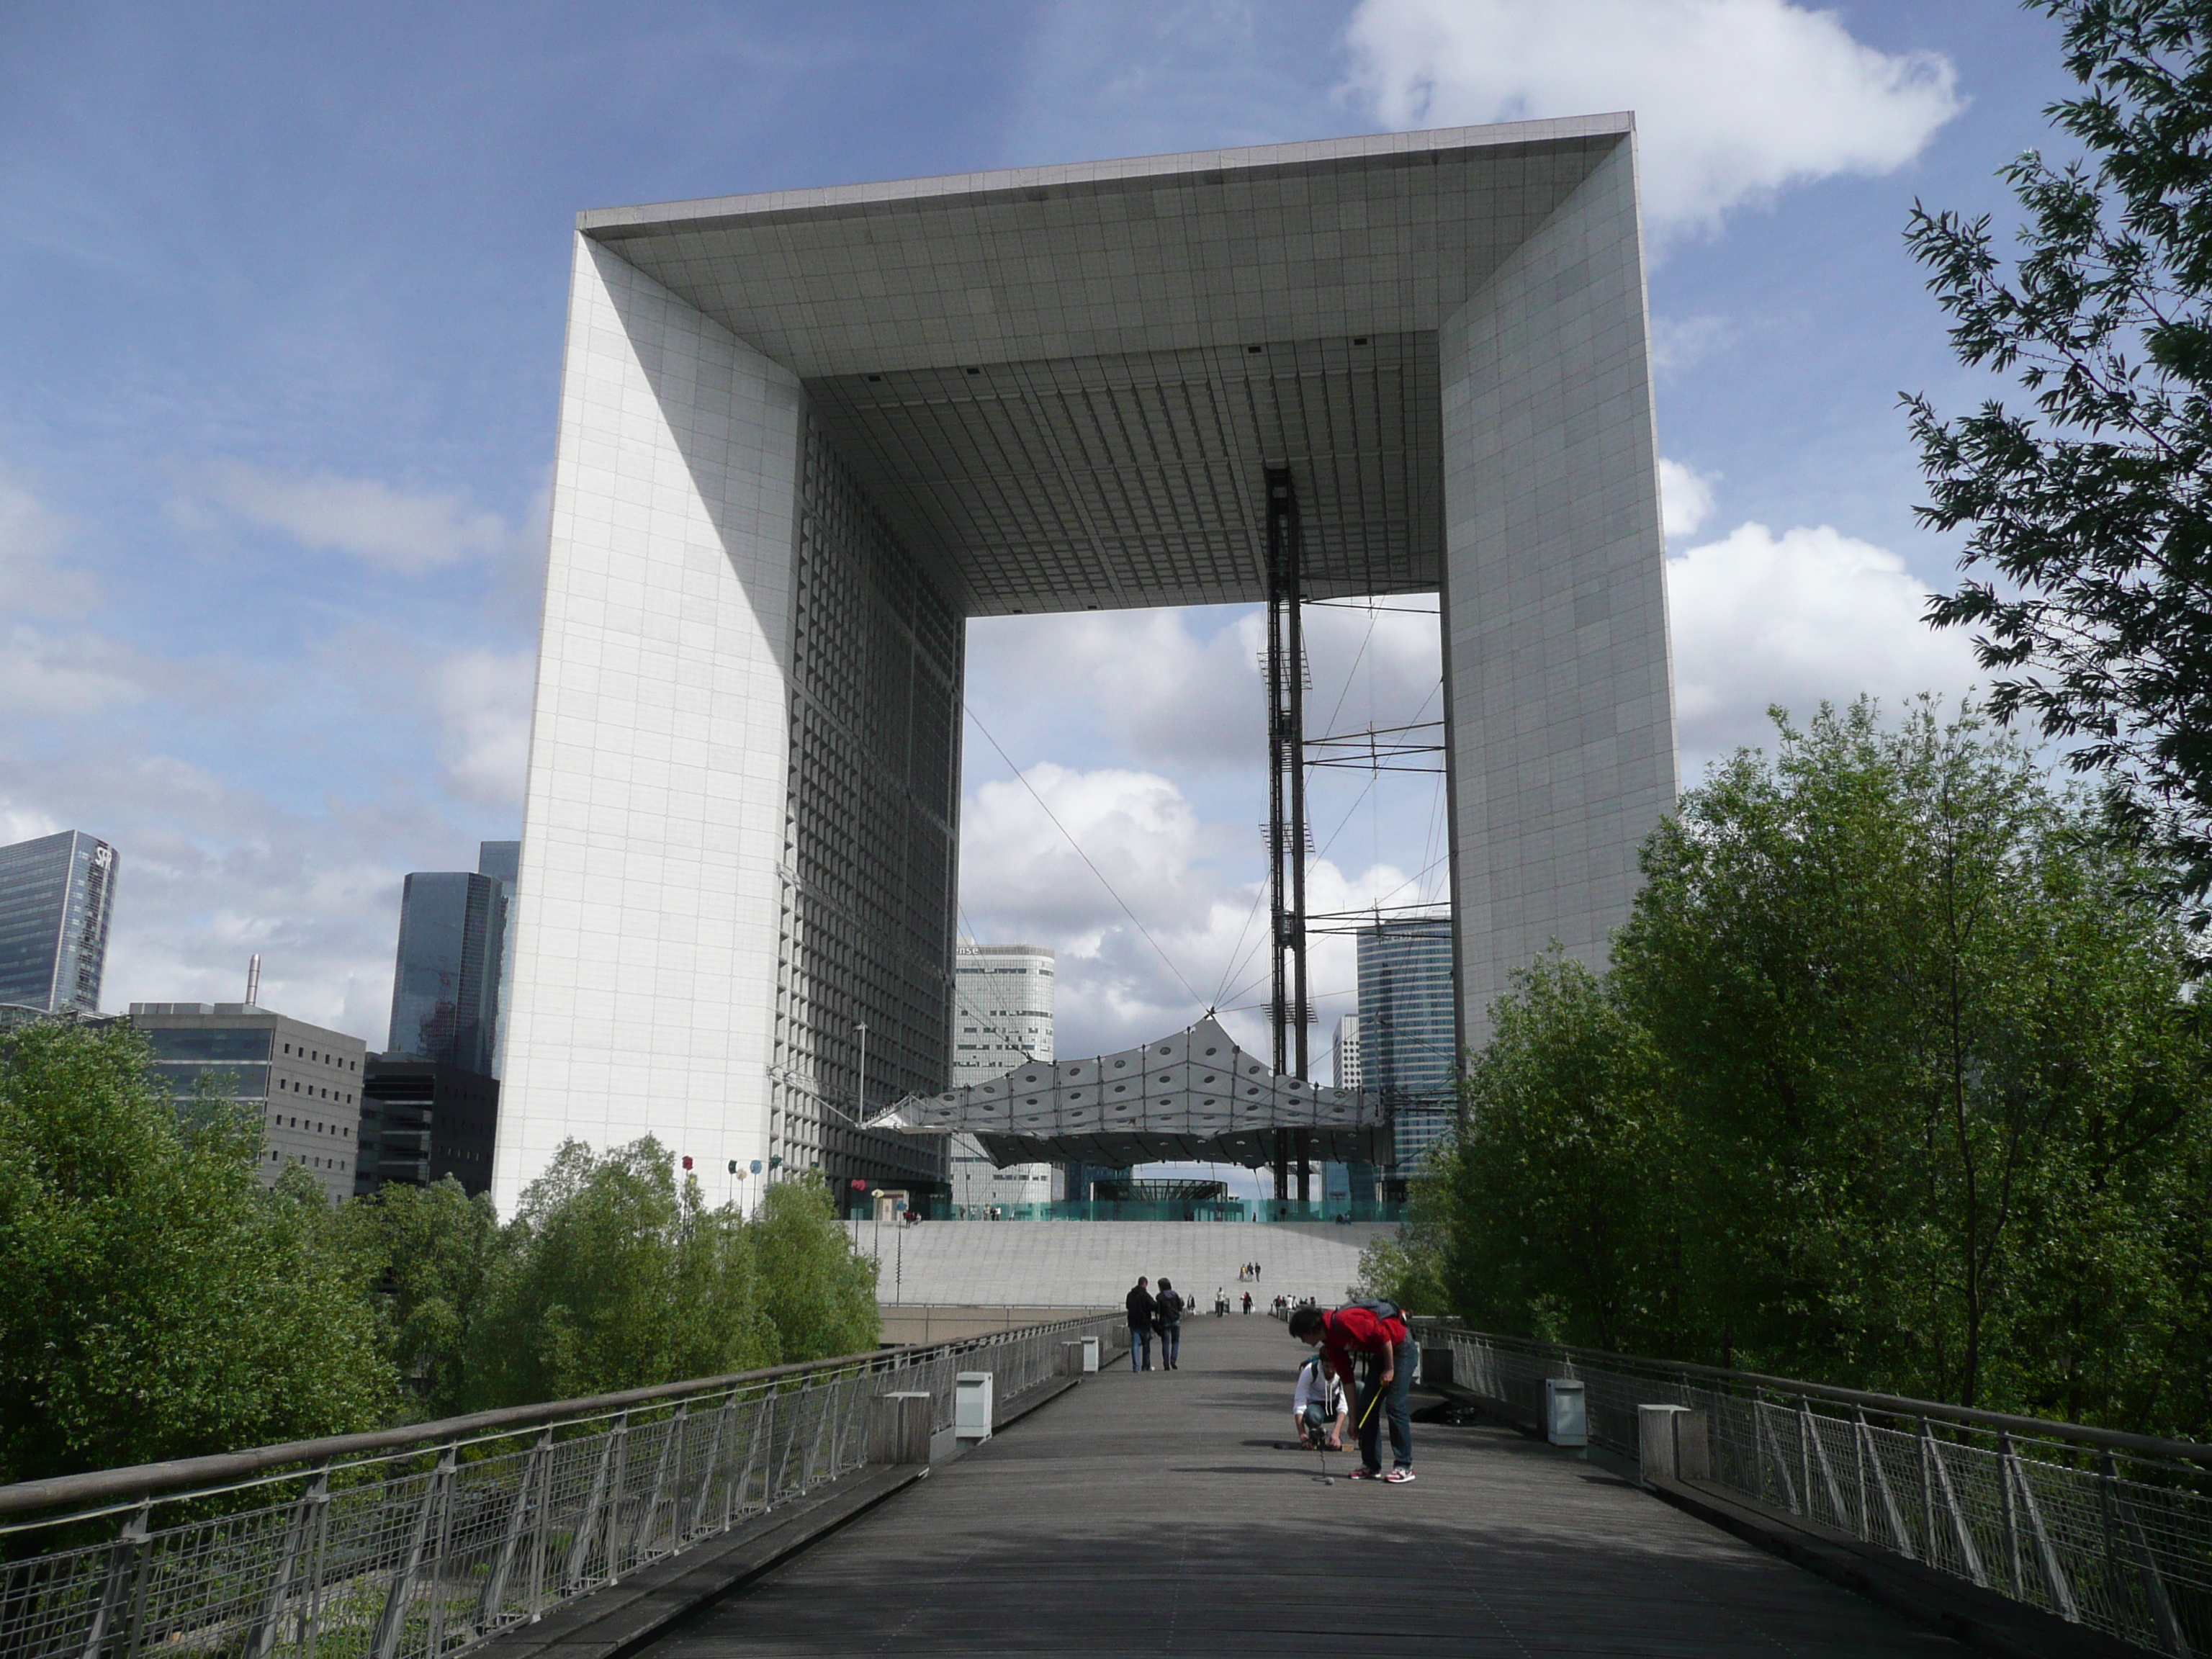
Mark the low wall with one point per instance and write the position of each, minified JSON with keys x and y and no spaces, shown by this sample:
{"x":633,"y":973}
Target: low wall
{"x":949,"y":1322}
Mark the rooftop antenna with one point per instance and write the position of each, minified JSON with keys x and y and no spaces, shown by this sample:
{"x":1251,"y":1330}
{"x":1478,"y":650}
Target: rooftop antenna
{"x":253,"y":980}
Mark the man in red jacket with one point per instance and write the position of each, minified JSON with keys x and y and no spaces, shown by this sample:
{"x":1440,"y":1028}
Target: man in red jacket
{"x":1377,"y":1331}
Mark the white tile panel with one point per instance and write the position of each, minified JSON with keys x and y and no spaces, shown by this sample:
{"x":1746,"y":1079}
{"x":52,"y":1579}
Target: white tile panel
{"x":1559,"y":690}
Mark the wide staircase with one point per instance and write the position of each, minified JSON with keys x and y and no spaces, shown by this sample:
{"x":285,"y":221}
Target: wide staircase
{"x":1085,"y":1264}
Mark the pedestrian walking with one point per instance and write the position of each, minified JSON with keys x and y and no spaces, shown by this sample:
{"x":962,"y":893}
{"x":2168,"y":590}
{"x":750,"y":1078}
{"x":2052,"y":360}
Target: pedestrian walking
{"x":1376,"y":1332}
{"x":1248,"y":1304}
{"x":1167,"y":1312}
{"x":1141,"y":1306}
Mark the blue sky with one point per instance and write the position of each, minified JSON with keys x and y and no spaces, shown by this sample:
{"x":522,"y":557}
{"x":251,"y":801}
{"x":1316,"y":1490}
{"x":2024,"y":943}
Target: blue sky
{"x":281,"y":300}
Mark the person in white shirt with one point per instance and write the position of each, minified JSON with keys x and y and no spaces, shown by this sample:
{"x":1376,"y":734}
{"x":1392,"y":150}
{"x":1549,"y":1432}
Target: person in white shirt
{"x":1318,"y":1405}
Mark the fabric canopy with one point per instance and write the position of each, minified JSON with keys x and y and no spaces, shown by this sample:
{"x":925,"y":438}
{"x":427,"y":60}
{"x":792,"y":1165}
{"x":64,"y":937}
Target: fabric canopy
{"x":1194,"y":1097}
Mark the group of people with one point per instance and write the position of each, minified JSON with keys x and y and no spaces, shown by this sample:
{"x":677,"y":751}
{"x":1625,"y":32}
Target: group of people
{"x":1152,"y":1315}
{"x":1331,"y":1392}
{"x":1359,"y":1376}
{"x":1249,"y":1274}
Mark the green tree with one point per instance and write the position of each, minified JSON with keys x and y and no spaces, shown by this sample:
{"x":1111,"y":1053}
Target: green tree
{"x":1553,"y":1200}
{"x":162,"y":1303}
{"x":610,"y":1277}
{"x":2088,"y":510}
{"x":427,"y":1250}
{"x":1892,"y":1081}
{"x":1926,"y":1041}
{"x":819,"y":1294}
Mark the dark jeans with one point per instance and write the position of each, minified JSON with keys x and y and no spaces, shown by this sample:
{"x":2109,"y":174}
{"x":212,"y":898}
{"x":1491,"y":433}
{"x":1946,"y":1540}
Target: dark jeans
{"x":1140,"y":1348}
{"x":1369,"y":1415}
{"x":1170,"y":1345}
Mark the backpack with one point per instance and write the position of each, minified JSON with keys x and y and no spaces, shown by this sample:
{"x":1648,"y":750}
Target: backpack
{"x":1380,"y":1309}
{"x":1170,"y":1308}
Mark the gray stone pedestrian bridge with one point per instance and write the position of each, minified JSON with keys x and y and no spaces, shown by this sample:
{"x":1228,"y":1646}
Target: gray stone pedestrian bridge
{"x":994,"y":1495}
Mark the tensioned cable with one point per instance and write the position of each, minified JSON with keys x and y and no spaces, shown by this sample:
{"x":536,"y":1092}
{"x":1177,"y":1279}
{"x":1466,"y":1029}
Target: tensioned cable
{"x":1084,"y":856}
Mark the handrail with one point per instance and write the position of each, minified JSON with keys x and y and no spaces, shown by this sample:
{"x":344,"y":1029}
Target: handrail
{"x":1889,"y":1404}
{"x":144,"y":1479}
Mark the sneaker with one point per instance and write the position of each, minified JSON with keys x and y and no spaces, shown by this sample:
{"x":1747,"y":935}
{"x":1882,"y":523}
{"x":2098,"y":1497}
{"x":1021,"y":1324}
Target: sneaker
{"x":1399,"y":1476}
{"x":1364,"y":1474}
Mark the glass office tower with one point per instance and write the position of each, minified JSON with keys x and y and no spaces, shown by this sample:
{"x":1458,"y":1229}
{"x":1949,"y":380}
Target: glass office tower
{"x":55,"y":894}
{"x":1408,"y":1043}
{"x":502,"y":862}
{"x":445,"y":994}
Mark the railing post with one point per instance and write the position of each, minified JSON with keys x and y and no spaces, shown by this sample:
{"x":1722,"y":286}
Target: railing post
{"x":580,"y":1546}
{"x":1805,"y":1451}
{"x":1897,"y":1527}
{"x":672,"y":1433}
{"x":439,"y":1556}
{"x":122,"y":1577}
{"x":1763,"y":1434}
{"x":1967,"y":1551}
{"x":2016,"y":1578}
{"x":2054,"y":1572}
{"x":386,"y":1641}
{"x":517,"y":1517}
{"x":1811,"y":1428}
{"x":711,"y":1468}
{"x":299,"y":1537}
{"x":2118,"y":1510}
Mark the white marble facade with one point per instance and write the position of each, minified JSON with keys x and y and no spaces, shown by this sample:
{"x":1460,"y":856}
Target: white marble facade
{"x":1559,"y":685}
{"x":646,"y":953}
{"x":1047,"y":389}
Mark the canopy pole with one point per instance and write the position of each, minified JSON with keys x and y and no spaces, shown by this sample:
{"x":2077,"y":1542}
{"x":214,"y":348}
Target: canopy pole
{"x":1286,"y":811}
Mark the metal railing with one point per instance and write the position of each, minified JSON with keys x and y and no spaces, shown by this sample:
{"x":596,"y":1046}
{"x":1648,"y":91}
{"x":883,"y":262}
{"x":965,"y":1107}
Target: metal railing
{"x":2101,"y":1528}
{"x":419,"y":1543}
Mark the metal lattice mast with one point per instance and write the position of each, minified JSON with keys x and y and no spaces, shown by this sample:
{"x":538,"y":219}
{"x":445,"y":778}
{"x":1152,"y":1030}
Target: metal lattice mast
{"x":1286,"y":806}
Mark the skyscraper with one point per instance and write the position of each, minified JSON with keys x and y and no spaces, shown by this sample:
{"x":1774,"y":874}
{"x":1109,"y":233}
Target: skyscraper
{"x":502,"y":862}
{"x":1346,"y":1047}
{"x":445,"y":991}
{"x":55,"y":894}
{"x":1001,"y":1017}
{"x":1408,"y":1031}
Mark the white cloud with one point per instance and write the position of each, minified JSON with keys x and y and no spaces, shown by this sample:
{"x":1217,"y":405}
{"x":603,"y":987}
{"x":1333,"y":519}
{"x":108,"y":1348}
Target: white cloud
{"x":483,"y":703}
{"x":48,"y":675}
{"x":1187,"y":880}
{"x":1733,"y":98}
{"x":1686,"y":498}
{"x":1683,"y":343}
{"x":32,"y":538}
{"x":1793,"y":619}
{"x":392,"y":529}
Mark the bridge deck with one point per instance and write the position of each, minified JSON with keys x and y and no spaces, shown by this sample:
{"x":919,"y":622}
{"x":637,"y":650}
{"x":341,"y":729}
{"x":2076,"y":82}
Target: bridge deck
{"x":1151,"y":1514}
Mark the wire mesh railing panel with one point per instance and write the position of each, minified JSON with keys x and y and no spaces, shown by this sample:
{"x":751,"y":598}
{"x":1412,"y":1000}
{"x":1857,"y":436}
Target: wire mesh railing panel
{"x":424,"y":1553}
{"x":2054,"y":1522}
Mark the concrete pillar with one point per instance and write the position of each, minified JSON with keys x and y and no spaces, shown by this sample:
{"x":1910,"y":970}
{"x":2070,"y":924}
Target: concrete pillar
{"x":899,"y":1428}
{"x":1558,"y":690}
